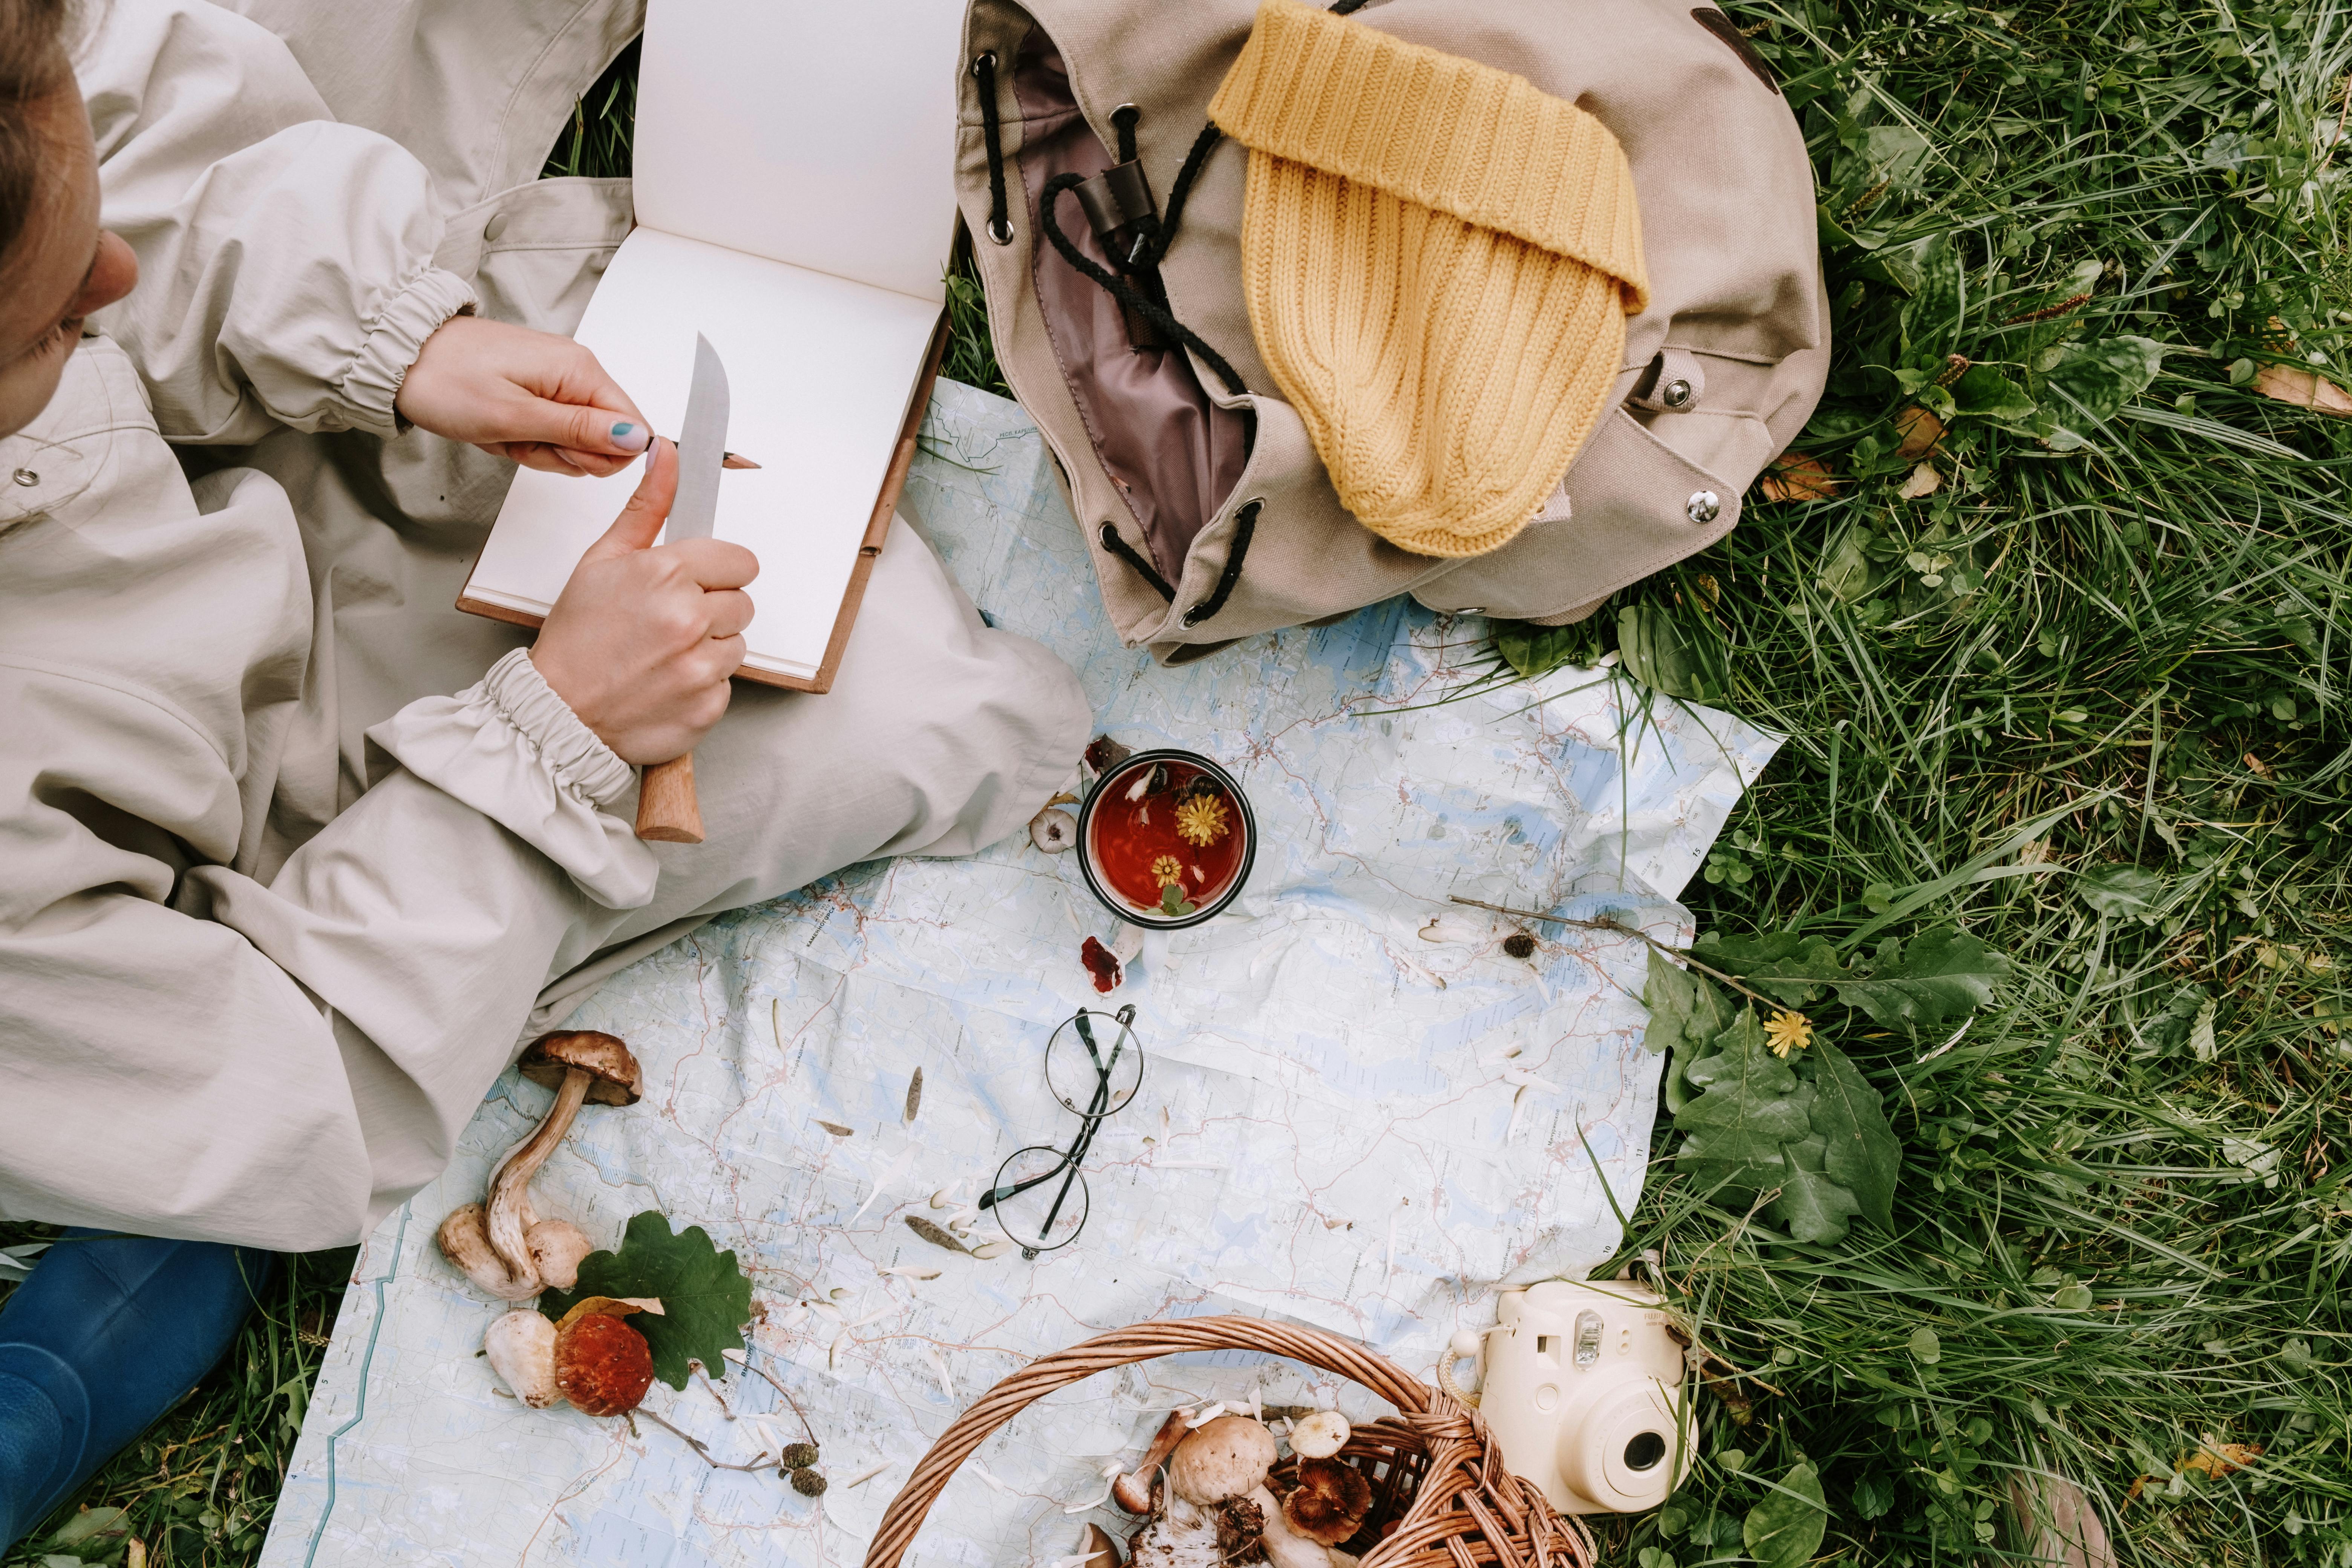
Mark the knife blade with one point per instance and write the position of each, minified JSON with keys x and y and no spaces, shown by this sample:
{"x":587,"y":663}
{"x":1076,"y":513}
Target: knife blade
{"x":701,"y":447}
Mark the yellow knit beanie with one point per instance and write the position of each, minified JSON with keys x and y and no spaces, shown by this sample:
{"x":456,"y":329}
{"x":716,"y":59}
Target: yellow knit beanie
{"x":1439,"y":260}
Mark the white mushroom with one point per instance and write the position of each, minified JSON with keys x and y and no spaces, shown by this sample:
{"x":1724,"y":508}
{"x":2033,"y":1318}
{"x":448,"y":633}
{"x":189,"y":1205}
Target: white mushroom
{"x":1320,"y":1435}
{"x":465,"y":1241}
{"x":521,"y":1348}
{"x":556,"y":1248}
{"x":1285,"y":1547}
{"x":1211,"y":1514}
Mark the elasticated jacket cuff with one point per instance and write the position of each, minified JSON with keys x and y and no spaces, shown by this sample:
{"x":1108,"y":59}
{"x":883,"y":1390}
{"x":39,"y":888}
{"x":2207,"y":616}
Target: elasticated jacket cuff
{"x":511,"y":749}
{"x":395,"y":337}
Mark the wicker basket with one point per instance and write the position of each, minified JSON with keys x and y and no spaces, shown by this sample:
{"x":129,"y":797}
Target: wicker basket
{"x":1441,"y":1496}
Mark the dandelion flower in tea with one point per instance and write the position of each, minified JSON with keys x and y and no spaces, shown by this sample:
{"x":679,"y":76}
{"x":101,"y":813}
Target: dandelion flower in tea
{"x":1201,"y":820}
{"x":1168,"y":871}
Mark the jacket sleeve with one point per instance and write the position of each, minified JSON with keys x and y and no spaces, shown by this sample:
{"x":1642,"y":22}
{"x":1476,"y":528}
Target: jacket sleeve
{"x":286,"y":262}
{"x":279,"y":1064}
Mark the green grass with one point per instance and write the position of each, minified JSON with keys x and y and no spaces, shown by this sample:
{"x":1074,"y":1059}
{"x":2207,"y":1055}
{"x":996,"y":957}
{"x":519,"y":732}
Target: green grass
{"x":2122,"y":1224}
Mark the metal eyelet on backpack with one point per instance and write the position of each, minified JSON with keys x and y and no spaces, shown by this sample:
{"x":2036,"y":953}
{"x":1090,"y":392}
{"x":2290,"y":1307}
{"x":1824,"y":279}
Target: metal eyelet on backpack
{"x":999,"y":227}
{"x":27,"y":478}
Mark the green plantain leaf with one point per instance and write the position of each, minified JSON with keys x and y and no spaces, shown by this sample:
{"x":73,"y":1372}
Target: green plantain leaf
{"x":2089,"y":383}
{"x":1939,"y":976}
{"x":1785,"y":1530}
{"x":1861,"y":1154}
{"x":1931,"y":317}
{"x":1792,"y":969}
{"x":706,"y":1299}
{"x":1750,"y":1107}
{"x":1985,"y":392}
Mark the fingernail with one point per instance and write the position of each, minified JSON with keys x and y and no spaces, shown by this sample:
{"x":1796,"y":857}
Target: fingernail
{"x":631,"y":437}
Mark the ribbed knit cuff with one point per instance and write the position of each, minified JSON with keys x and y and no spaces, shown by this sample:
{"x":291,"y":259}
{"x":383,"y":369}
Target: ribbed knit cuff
{"x":1444,"y":132}
{"x":394,"y":339}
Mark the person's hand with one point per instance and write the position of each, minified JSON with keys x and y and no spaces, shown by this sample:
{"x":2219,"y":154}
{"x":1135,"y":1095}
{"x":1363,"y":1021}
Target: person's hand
{"x":642,"y":640}
{"x":541,"y":399}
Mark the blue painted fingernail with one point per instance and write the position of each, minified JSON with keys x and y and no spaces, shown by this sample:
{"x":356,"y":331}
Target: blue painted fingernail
{"x":629,"y":437}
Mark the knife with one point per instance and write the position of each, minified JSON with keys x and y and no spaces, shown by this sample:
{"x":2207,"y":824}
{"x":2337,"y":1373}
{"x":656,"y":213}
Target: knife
{"x":667,"y":811}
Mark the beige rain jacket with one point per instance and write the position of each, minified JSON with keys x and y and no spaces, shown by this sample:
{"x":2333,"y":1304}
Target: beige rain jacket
{"x":275,"y":906}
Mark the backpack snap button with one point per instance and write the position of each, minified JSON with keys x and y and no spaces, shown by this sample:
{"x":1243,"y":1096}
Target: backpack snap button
{"x":495,"y":227}
{"x":1704,"y":506}
{"x":1675,"y":394}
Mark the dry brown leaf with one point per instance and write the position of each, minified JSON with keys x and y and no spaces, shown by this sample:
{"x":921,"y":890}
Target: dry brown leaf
{"x":1794,"y":475}
{"x":2259,"y":767}
{"x":1920,"y":431}
{"x":2304,"y":389}
{"x":2211,"y":1459}
{"x":1924,"y":482}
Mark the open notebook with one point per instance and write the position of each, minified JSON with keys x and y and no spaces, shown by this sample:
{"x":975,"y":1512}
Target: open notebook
{"x":795,"y":205}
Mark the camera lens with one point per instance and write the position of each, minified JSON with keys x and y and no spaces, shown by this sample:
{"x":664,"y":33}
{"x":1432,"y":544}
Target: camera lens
{"x":1644,"y":1451}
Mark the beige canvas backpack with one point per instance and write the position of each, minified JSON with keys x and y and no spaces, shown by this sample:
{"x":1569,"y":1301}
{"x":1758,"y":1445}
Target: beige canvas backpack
{"x":1119,"y":315}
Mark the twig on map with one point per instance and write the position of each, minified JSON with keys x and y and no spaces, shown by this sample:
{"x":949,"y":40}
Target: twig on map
{"x":1621,"y":927}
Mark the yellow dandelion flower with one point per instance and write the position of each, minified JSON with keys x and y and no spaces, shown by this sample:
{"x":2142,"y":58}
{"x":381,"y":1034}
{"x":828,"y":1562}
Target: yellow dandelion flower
{"x":1202,"y":819}
{"x":1168,"y":871}
{"x":1787,"y":1032}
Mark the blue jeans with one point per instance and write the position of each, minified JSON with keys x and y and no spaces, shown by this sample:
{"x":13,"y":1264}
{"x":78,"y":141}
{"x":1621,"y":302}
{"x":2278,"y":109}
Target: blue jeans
{"x":108,"y":1334}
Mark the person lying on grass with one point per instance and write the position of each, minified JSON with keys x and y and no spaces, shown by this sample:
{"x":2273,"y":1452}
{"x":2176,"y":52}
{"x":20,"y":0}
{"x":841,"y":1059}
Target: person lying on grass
{"x":293,"y":857}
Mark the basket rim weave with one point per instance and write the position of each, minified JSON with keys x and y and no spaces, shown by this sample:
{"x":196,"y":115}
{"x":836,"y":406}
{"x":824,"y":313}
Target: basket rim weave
{"x":1465,"y":1490}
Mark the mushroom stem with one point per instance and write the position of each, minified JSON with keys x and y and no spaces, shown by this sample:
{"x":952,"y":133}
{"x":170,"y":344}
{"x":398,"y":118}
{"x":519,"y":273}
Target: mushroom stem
{"x":1132,"y":1491}
{"x":509,"y":1205}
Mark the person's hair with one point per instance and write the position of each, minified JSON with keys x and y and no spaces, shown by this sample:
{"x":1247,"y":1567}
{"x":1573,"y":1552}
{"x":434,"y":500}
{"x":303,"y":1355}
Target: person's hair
{"x":36,"y":60}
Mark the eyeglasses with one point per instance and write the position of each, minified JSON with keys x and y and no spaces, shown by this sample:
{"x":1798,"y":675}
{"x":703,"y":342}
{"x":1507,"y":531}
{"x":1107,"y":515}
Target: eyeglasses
{"x":1093,"y":1077}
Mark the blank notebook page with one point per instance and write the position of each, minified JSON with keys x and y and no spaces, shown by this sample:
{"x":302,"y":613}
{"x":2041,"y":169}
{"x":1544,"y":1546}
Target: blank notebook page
{"x":819,"y":370}
{"x":818,"y":133}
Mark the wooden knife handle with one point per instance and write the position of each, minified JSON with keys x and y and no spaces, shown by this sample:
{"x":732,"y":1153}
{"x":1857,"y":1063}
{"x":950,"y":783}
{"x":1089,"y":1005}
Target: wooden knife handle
{"x":667,"y":812}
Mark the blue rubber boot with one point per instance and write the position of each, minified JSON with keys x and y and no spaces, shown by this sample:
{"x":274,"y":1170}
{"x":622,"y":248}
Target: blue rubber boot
{"x":108,"y":1334}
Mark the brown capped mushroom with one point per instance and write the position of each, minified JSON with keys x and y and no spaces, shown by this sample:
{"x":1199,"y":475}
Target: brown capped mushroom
{"x":1286,"y":1547}
{"x":1099,"y":1550}
{"x":602,"y":1364}
{"x":1224,"y":1457}
{"x":1329,"y":1502}
{"x":1133,"y":1491}
{"x":580,"y":1065}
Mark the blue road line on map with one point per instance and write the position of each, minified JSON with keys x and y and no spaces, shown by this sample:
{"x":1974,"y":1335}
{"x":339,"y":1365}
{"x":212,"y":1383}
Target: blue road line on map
{"x":367,"y":1359}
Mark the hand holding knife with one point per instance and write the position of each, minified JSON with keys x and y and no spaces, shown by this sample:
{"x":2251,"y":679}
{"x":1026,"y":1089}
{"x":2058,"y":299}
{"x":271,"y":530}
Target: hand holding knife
{"x":668,"y":810}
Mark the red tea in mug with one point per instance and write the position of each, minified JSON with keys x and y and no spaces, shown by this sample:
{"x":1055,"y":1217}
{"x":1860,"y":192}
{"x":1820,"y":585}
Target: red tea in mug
{"x":1184,"y":830}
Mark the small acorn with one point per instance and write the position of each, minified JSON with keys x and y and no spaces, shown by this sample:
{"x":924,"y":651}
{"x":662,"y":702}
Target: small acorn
{"x":797,"y":1456}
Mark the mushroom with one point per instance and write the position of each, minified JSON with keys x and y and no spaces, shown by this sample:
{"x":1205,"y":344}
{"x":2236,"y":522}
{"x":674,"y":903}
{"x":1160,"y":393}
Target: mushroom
{"x":1329,"y":1502}
{"x":1223,"y":1459}
{"x":465,"y":1240}
{"x":602,"y":1364}
{"x":556,"y":1248}
{"x":1053,"y":830}
{"x":1286,"y":1547}
{"x":580,"y":1065}
{"x":1099,"y":1549}
{"x":1133,"y":1491}
{"x":1214,"y":1511}
{"x":521,"y":1348}
{"x":1320,"y":1435}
